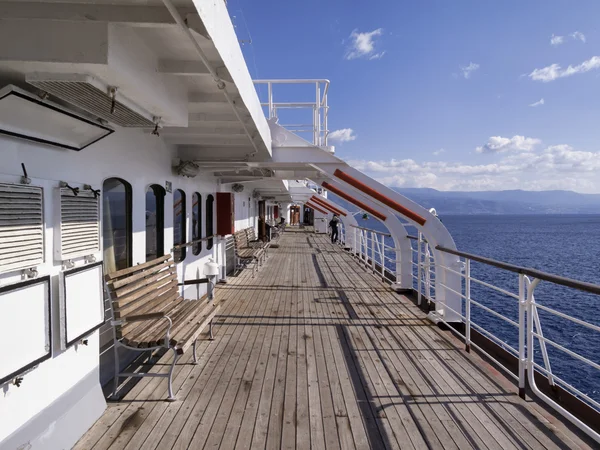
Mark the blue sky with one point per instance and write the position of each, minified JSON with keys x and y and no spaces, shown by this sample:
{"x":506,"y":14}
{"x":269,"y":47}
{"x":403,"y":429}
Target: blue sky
{"x":438,"y":93}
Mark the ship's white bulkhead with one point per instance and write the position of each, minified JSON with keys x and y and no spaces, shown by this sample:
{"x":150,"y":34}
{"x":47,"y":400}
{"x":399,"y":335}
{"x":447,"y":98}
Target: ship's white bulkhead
{"x":55,"y":350}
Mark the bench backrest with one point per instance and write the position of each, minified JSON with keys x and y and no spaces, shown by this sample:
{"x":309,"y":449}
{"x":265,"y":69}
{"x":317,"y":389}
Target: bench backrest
{"x":143,"y":288}
{"x":241,"y":239}
{"x":250,"y":234}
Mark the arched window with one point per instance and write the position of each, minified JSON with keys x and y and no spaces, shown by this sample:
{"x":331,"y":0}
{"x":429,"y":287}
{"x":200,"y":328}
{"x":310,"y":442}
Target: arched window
{"x":155,"y":222}
{"x":210,"y":200}
{"x":179,"y":224}
{"x":116,"y":224}
{"x":196,"y":222}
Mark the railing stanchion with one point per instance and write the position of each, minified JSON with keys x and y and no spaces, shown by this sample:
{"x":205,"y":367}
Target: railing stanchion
{"x":419,"y":269}
{"x":522,"y":333}
{"x":373,"y":237}
{"x":468,"y":305}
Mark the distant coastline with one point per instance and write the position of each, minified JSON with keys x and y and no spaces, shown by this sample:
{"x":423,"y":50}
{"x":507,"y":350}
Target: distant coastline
{"x":510,"y":202}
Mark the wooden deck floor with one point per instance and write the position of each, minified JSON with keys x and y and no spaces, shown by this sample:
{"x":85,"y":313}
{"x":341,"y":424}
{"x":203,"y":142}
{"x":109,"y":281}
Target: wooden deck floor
{"x":317,"y":353}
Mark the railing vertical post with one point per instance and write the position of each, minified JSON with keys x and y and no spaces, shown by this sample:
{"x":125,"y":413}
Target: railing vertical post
{"x":419,"y":269}
{"x":522,"y":333}
{"x":270,"y":93}
{"x":529,"y":328}
{"x":468,"y":305}
{"x":382,"y":257}
{"x":373,"y":237}
{"x":325,"y":111}
{"x":318,"y":105}
{"x":355,"y":241}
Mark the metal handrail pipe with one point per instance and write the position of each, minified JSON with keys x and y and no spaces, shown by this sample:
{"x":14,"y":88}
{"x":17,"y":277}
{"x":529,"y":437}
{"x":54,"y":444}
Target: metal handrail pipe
{"x":458,"y":333}
{"x":572,"y":319}
{"x":566,"y":350}
{"x":190,"y":243}
{"x":452,"y":290}
{"x":557,"y":279}
{"x":372,"y":231}
{"x":495,"y":313}
{"x":496,"y":288}
{"x":497,"y":340}
{"x":566,"y":385}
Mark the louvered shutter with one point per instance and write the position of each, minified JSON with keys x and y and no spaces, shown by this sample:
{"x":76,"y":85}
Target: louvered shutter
{"x":21,"y":227}
{"x":79,"y":224}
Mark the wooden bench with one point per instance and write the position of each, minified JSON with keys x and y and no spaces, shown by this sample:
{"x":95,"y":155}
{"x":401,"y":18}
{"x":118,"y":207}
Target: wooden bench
{"x":245,"y":252}
{"x":254,"y":242}
{"x":149,"y":314}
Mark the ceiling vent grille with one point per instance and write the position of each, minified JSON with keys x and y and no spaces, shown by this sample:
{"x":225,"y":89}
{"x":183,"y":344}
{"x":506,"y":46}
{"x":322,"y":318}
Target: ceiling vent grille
{"x":89,"y":94}
{"x":79,"y":224}
{"x":21,"y":227}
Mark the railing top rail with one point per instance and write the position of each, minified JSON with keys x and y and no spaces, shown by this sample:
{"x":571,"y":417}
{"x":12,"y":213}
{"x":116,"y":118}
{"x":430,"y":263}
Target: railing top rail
{"x":371,"y":230}
{"x":292,"y":81}
{"x":557,"y":279}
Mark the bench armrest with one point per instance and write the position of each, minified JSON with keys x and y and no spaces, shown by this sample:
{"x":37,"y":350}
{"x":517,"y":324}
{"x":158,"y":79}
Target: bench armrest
{"x":143,"y":317}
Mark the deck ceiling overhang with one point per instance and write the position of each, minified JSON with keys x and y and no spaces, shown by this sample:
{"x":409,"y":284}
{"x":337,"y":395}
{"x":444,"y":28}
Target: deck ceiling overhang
{"x":178,"y":61}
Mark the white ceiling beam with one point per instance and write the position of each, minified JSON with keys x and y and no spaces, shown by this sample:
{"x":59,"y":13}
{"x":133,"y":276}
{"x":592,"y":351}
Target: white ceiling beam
{"x":211,"y":141}
{"x":207,"y":117}
{"x":203,"y":131}
{"x":204,"y":98}
{"x":142,"y":16}
{"x":191,"y":68}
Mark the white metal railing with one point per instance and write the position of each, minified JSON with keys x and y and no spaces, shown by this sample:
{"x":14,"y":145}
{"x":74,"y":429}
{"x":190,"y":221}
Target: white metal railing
{"x":527,"y":328}
{"x":318,"y":128}
{"x":372,"y":249}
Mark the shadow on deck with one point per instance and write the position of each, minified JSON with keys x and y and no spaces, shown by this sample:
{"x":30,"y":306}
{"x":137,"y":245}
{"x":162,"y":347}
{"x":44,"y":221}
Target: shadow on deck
{"x":317,"y":353}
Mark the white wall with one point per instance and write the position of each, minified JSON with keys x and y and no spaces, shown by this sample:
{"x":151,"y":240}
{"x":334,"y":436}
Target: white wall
{"x":137,"y":157}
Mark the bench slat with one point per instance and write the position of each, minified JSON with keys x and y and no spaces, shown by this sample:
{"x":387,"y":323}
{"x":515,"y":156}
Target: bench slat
{"x":167,"y":305}
{"x":131,"y":287}
{"x":197,"y":328}
{"x":116,"y":284}
{"x":164,"y":283}
{"x":170,"y":309}
{"x":137,"y":268}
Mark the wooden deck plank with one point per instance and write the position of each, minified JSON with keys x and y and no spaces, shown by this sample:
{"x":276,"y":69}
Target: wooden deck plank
{"x":261,"y":424}
{"x":316,"y":352}
{"x":232,"y":407}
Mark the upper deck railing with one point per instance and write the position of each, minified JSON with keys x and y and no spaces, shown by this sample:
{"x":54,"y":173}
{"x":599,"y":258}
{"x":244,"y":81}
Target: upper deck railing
{"x":317,"y":107}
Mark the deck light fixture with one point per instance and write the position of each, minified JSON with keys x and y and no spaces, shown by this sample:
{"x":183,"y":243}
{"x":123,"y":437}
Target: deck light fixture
{"x":26,"y":116}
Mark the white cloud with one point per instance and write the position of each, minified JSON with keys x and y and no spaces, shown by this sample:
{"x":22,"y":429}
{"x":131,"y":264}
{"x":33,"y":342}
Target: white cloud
{"x":554,"y":71}
{"x":578,"y":35}
{"x":343,"y":135}
{"x":439,"y":152}
{"x":468,"y":70}
{"x":557,"y":40}
{"x":363,"y":45}
{"x":498,"y":144}
{"x":538,"y":103}
{"x":554,"y":167}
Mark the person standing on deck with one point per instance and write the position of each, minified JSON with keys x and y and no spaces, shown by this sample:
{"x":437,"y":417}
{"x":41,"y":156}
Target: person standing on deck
{"x":333,"y":223}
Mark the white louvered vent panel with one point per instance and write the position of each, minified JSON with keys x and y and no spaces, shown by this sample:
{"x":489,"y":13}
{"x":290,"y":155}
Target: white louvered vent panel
{"x":21,"y":227}
{"x":79,"y":224}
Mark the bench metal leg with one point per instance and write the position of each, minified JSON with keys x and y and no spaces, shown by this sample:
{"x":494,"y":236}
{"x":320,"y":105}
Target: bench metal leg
{"x":195,"y":358}
{"x":116,"y":379}
{"x":171,"y":397}
{"x":212,"y":338}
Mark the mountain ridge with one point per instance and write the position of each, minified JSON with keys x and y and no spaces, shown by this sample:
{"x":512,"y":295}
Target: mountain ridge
{"x":515,"y":201}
